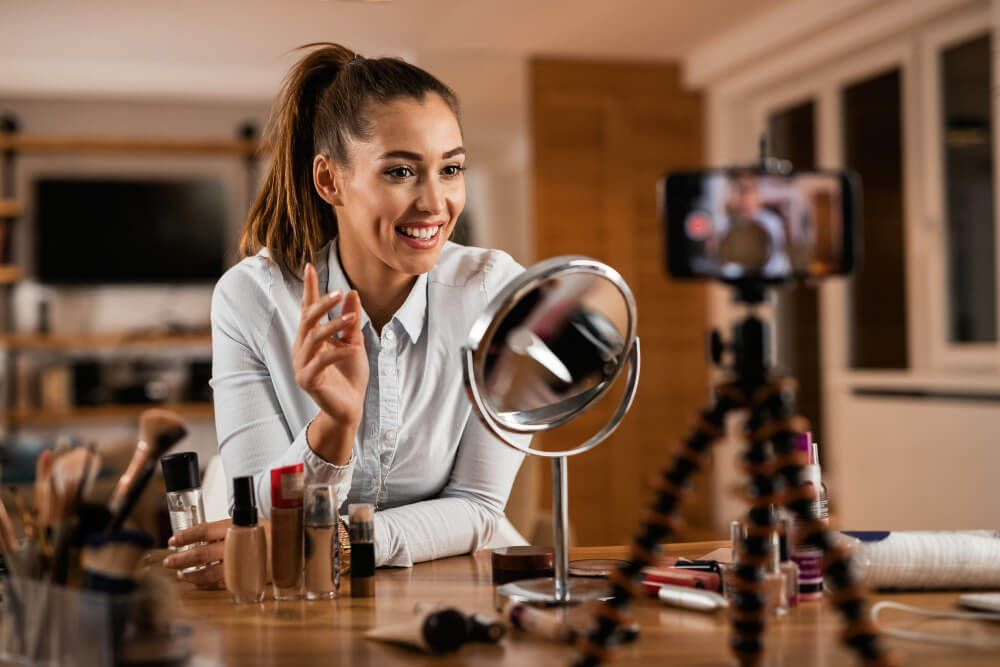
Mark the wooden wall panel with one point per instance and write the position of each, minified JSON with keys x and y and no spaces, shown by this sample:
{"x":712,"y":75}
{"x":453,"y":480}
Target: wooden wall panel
{"x":604,"y":134}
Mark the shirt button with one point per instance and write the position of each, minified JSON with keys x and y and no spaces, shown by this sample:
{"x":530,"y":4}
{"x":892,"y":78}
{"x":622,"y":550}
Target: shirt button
{"x":389,"y":435}
{"x":390,"y":372}
{"x":388,"y":335}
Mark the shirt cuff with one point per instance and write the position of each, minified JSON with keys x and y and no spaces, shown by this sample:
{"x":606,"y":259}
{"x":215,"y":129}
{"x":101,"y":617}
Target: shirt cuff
{"x":320,"y":471}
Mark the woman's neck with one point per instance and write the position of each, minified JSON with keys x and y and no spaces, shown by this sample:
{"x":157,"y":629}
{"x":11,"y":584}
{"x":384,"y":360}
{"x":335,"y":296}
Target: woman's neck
{"x":382,"y":290}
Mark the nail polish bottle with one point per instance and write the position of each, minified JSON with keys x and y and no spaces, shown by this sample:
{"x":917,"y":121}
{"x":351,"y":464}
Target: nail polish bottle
{"x":286,"y":531}
{"x":322,"y":543}
{"x":775,"y":584}
{"x":788,"y":566}
{"x":245,"y":560}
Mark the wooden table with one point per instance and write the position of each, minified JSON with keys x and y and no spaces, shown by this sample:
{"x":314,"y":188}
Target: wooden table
{"x":301,"y":632}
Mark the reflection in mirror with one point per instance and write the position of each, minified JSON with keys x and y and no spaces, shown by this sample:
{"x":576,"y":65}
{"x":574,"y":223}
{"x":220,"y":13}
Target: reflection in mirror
{"x":557,"y":350}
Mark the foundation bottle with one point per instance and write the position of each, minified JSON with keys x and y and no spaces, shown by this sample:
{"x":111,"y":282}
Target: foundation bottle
{"x":775,"y":584}
{"x":286,"y":531}
{"x":245,"y":559}
{"x":362,"y":550}
{"x":322,"y":543}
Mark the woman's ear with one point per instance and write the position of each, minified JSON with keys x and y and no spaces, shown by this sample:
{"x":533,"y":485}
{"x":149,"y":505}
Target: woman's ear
{"x":327,"y":179}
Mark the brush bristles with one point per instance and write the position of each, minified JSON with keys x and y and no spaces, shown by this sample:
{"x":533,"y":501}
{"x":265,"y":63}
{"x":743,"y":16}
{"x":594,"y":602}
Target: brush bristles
{"x":161,"y":429}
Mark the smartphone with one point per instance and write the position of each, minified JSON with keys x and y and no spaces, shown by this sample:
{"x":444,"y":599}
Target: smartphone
{"x":739,"y":224}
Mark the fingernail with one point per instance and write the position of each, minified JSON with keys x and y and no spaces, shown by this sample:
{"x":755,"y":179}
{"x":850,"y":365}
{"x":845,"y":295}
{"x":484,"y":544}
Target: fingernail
{"x":334,"y":294}
{"x":172,"y":542}
{"x":168,"y":561}
{"x":348,"y":317}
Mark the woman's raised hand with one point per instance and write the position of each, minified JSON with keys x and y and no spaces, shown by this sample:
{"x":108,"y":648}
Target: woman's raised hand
{"x":330,"y":361}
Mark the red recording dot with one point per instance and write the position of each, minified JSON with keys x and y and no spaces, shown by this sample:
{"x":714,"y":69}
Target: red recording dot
{"x":698,"y":226}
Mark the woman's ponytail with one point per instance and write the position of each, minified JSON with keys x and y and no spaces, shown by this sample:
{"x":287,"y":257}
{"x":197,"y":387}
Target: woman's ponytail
{"x":288,"y":217}
{"x":322,"y":105}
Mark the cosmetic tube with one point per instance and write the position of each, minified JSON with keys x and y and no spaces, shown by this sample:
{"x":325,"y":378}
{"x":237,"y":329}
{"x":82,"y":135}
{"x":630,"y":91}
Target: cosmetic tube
{"x":286,"y":531}
{"x":184,"y":500}
{"x":687,"y":598}
{"x":245,"y":560}
{"x":435,"y":631}
{"x":544,"y":624}
{"x":362,"y":518}
{"x":322,"y":543}
{"x":481,"y":627}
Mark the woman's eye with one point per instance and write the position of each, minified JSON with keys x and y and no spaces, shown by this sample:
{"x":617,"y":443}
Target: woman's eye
{"x":400,"y":172}
{"x":452,"y":170}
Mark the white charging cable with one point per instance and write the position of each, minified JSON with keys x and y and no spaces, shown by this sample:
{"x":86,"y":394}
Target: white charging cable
{"x":937,"y":639}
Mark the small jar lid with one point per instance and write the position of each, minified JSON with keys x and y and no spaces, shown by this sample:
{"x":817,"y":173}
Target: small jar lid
{"x":523,"y":558}
{"x":180,"y":471}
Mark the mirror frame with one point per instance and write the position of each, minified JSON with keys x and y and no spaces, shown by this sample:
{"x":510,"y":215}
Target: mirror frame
{"x":489,"y":321}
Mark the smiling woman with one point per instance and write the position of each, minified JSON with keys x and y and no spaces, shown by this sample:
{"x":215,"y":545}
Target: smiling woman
{"x":364,"y":191}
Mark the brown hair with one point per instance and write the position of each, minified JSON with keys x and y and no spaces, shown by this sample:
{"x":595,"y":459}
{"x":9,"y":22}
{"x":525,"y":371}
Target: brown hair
{"x":323,"y":104}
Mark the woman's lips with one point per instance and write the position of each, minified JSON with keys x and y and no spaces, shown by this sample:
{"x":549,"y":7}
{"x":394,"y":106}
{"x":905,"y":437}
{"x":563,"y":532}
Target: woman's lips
{"x":421,"y":244}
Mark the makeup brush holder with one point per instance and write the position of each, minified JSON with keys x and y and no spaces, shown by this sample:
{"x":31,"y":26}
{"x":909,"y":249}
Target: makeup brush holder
{"x":47,"y":624}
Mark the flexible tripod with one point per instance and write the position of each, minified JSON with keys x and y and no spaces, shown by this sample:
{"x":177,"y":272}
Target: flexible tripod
{"x":774,"y":467}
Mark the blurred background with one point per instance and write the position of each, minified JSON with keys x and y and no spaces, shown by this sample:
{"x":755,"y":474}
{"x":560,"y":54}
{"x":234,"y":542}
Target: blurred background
{"x":130,"y":131}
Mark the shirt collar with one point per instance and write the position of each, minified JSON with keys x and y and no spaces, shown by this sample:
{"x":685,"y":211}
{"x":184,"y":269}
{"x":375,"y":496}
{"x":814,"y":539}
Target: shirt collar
{"x":411,"y":314}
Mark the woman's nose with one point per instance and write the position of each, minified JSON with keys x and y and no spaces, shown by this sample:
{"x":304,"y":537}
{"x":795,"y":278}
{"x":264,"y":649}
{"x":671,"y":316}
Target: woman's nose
{"x":431,"y":198}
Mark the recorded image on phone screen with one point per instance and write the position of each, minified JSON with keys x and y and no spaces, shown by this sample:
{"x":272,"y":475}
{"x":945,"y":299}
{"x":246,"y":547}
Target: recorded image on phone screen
{"x":758,"y":225}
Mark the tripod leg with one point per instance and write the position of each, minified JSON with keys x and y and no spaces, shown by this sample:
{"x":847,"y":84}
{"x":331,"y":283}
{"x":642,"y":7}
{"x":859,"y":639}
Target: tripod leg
{"x":662,"y":520}
{"x":748,"y":615}
{"x":849,"y":595}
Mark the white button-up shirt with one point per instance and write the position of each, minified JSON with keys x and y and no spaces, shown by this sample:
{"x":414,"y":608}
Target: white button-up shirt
{"x":438,"y":477}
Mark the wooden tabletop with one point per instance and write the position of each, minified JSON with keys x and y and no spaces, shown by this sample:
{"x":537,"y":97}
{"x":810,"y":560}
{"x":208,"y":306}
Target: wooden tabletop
{"x":331,"y":632}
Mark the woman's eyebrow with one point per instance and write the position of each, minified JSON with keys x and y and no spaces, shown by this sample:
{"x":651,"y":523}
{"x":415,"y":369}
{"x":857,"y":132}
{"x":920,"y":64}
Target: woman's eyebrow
{"x":408,"y":155}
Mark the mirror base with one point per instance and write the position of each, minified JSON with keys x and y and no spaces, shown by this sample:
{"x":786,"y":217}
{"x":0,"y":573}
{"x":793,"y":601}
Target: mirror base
{"x":541,"y":592}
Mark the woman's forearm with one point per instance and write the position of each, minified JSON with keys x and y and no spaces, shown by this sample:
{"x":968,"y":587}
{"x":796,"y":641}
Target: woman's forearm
{"x":332,"y":441}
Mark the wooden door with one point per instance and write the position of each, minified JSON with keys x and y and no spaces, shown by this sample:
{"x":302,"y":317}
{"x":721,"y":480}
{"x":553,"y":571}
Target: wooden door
{"x":604,"y":134}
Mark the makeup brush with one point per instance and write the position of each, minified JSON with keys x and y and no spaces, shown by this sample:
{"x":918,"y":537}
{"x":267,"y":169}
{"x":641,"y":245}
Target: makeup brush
{"x":159,"y":430}
{"x":43,"y":489}
{"x":72,"y":473}
{"x":7,"y":527}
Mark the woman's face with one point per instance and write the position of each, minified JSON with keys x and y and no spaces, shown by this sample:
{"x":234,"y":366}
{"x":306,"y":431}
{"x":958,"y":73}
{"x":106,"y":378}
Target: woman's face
{"x":403,"y":190}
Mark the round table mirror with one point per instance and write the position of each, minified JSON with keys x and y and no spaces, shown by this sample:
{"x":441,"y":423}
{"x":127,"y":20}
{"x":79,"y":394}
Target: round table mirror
{"x":548,"y":347}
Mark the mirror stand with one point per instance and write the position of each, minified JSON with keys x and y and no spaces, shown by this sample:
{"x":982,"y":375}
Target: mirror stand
{"x":558,"y":590}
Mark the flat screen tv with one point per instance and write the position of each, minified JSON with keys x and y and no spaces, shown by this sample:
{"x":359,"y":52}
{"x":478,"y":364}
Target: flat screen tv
{"x":92,"y":231}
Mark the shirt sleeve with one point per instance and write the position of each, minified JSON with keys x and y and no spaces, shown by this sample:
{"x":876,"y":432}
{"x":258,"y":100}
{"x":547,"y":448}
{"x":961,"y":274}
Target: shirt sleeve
{"x":470,"y":507}
{"x":466,"y":514}
{"x":253,"y":434}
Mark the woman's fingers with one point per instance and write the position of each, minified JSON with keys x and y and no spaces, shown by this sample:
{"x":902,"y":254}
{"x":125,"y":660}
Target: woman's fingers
{"x":320,"y":333}
{"x":315,"y":312}
{"x":352,"y":304}
{"x":199,"y":555}
{"x":211,"y":578}
{"x":203,"y":532}
{"x":322,"y":359}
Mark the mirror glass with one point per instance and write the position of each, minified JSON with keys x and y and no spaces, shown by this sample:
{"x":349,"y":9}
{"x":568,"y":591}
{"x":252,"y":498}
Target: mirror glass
{"x":554,"y":350}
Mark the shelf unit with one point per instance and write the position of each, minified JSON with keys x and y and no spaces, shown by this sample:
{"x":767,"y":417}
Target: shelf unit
{"x":245,"y":146}
{"x":65,"y":341}
{"x":119,"y":412}
{"x":10,"y":274}
{"x":49,"y":143}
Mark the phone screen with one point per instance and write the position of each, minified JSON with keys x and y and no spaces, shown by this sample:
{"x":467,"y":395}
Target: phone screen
{"x":731,"y":225}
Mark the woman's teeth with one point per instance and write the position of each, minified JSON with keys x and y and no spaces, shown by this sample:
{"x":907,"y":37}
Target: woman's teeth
{"x":423,"y":233}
